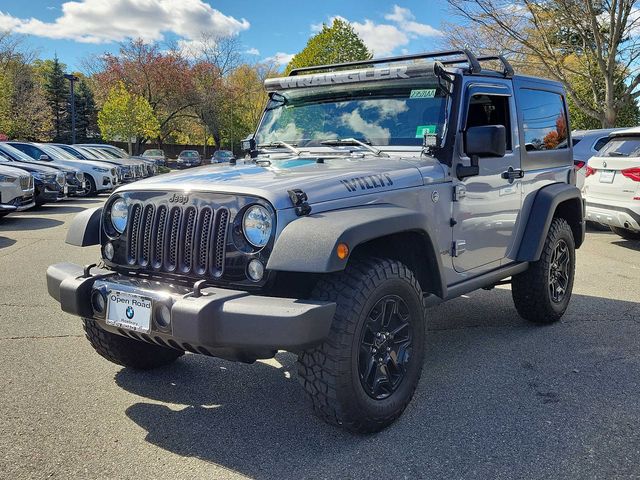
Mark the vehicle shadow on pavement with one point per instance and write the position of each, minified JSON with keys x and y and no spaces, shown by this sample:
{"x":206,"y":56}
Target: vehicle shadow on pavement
{"x":498,"y":398}
{"x":56,"y":209}
{"x":630,"y":244}
{"x":6,"y":242}
{"x":16,"y":223}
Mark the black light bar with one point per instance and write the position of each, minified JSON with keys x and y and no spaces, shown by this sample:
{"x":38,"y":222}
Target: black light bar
{"x":470,"y":58}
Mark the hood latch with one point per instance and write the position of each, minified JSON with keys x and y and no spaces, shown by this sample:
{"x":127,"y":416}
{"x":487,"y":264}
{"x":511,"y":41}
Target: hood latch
{"x":299,"y":200}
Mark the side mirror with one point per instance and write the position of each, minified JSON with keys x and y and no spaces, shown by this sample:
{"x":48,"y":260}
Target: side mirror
{"x":486,"y":141}
{"x":44,"y":158}
{"x":248,"y":145}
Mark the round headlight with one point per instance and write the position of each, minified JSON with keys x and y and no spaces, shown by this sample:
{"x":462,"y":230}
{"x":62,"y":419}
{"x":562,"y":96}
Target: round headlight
{"x":257,"y":225}
{"x":119,"y":215}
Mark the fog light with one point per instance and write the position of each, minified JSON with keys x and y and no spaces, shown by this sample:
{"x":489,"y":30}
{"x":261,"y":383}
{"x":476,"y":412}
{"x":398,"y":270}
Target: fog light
{"x":255,"y":270}
{"x":98,"y":302}
{"x":108,"y":250}
{"x":163,"y":316}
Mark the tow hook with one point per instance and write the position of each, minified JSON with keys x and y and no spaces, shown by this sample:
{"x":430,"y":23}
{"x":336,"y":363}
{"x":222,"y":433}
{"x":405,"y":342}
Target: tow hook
{"x":299,"y":200}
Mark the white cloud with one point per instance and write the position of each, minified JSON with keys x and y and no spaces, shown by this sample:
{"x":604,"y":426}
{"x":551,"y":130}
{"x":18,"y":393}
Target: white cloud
{"x":385,"y":38}
{"x":252,"y":51}
{"x":98,"y":21}
{"x":280,"y":58}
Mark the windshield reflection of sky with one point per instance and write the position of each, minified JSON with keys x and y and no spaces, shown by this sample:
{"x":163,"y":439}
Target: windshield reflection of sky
{"x":383,"y":121}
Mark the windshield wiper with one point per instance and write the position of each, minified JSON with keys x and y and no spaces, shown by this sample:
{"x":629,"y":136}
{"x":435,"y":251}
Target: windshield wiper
{"x":617,"y":154}
{"x":280,"y":143}
{"x":355,"y":141}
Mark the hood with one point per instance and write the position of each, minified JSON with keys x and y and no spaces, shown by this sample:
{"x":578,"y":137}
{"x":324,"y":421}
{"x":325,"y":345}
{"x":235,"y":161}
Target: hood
{"x":81,"y":164}
{"x":30,"y":167}
{"x":334,"y":179}
{"x":5,"y":170}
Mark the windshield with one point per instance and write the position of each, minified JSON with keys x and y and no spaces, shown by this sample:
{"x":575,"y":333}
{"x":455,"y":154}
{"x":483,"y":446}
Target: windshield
{"x":387,"y":115}
{"x":223,"y":153}
{"x":15,"y":153}
{"x":621,"y":147}
{"x":189,"y":153}
{"x":153,"y":153}
{"x":57,"y":153}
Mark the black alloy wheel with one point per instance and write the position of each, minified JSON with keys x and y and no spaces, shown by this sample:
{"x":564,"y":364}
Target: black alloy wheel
{"x":385,"y":347}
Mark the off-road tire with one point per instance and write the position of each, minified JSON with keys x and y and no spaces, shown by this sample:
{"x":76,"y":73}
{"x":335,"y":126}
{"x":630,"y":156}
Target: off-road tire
{"x":530,"y":289}
{"x":127,"y":352}
{"x":626,"y":233}
{"x":329,"y":373}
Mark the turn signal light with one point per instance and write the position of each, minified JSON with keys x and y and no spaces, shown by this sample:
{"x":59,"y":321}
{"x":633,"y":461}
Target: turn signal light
{"x":342,"y":250}
{"x":632,"y":173}
{"x":589,"y":171}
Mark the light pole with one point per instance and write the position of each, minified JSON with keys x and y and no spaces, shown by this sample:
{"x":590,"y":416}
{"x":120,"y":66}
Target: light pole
{"x":72,"y":79}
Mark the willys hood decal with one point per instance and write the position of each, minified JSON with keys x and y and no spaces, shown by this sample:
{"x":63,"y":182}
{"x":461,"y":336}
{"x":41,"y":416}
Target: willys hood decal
{"x":331,"y":180}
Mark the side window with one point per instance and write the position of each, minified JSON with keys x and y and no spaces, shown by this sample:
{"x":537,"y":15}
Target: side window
{"x":490,"y":110}
{"x":544,"y":120}
{"x":600,"y":143}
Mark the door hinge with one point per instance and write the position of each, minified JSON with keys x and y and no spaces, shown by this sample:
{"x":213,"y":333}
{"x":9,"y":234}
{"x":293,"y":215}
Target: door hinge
{"x":458,"y":248}
{"x":459,"y":191}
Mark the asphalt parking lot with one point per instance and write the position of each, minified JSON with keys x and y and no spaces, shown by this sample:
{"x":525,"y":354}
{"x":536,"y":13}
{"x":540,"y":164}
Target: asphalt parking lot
{"x":498,"y":398}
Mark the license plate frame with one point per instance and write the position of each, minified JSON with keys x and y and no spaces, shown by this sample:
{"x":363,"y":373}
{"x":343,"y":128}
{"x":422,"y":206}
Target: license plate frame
{"x":607,"y":176}
{"x":130,"y":311}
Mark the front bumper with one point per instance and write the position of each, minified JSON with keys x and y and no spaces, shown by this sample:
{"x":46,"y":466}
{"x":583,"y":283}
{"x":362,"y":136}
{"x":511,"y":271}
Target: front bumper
{"x":216,"y":320}
{"x":614,"y":215}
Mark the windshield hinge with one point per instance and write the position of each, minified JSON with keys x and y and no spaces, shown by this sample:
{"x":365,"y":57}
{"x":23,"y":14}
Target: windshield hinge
{"x":458,"y":248}
{"x":459,"y":192}
{"x":299,"y":200}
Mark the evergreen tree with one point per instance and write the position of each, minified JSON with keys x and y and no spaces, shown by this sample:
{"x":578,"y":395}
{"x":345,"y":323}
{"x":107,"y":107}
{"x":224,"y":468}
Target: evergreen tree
{"x":86,"y":113}
{"x":333,"y":44}
{"x":57,"y":95}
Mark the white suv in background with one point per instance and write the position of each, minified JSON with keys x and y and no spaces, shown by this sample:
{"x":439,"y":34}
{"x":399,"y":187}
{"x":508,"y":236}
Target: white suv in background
{"x":586,"y":144}
{"x":612,"y":184}
{"x":16,"y":189}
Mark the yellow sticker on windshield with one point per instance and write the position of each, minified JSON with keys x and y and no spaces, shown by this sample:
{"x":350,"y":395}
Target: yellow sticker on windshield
{"x":424,"y":93}
{"x":422,"y":130}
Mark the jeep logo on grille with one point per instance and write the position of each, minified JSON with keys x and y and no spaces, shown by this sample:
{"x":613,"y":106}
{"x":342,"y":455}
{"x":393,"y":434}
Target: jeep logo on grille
{"x":179,"y":198}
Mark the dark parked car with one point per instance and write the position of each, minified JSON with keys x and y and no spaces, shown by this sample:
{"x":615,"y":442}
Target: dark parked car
{"x":188,"y":158}
{"x":223,"y":156}
{"x":49,"y":182}
{"x":156,"y":155}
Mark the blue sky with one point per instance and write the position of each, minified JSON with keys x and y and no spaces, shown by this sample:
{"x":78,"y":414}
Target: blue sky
{"x":267,"y":29}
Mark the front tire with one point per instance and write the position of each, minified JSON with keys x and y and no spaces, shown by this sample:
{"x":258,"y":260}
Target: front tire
{"x":92,"y":191}
{"x":364,"y":374}
{"x":626,"y":233}
{"x":127,"y":352}
{"x":541,"y":294}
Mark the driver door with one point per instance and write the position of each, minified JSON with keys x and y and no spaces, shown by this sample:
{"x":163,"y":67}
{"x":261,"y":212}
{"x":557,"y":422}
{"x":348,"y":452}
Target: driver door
{"x":486,"y":209}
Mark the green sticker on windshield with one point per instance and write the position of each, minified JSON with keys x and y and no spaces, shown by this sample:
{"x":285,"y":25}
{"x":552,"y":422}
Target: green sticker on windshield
{"x":424,"y":93}
{"x":422,"y":130}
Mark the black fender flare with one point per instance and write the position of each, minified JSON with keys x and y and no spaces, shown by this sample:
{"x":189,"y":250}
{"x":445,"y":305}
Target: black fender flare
{"x":543,"y":209}
{"x":84,"y":230}
{"x":308,"y":244}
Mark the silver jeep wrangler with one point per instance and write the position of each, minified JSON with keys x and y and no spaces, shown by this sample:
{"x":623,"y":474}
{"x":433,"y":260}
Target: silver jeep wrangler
{"x":372,"y":192}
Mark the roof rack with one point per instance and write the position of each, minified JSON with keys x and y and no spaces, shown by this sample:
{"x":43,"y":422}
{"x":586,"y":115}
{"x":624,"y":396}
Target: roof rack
{"x":507,"y":71}
{"x":470,"y":58}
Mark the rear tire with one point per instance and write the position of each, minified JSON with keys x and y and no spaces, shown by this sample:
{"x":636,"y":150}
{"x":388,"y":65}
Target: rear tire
{"x":626,"y":233}
{"x":364,"y":374}
{"x":127,"y":352}
{"x":541,"y":294}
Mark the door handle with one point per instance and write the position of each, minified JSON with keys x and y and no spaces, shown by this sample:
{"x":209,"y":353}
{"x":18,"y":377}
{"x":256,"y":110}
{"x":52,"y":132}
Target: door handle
{"x":511,"y":174}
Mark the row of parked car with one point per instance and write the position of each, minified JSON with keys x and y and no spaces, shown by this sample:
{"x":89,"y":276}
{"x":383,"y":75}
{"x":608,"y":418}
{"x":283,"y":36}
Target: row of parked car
{"x":188,"y":158}
{"x":607,"y":165}
{"x":38,"y":173}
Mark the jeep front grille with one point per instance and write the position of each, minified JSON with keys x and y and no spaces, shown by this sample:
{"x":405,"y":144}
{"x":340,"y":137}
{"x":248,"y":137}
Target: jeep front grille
{"x":178,"y":239}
